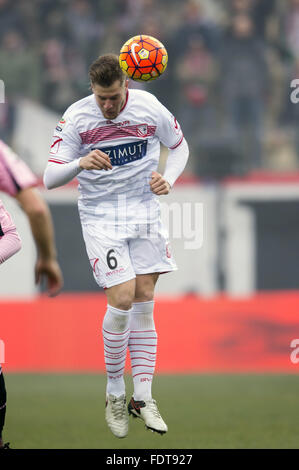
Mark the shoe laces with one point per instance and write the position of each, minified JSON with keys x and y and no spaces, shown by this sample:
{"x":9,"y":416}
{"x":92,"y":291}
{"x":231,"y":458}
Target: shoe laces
{"x":118,"y":407}
{"x":154,"y":409}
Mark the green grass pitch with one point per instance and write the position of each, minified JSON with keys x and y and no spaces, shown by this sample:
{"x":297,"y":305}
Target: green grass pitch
{"x":66,"y":411}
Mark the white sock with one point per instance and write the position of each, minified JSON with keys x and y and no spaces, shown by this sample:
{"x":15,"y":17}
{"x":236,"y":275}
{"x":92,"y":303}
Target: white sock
{"x":143,"y":348}
{"x":116,"y":336}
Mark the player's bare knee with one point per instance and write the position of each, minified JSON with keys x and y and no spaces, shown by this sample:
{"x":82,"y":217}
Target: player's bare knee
{"x":122,"y":300}
{"x":145,"y":287}
{"x":144,"y":295}
{"x":124,"y":304}
{"x":121,"y":296}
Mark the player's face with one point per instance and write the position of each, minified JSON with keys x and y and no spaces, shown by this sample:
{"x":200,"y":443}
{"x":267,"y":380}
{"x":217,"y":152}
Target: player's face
{"x":111,"y":99}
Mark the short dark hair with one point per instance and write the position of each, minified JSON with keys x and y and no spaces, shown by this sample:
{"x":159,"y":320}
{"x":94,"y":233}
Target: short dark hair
{"x":105,"y":70}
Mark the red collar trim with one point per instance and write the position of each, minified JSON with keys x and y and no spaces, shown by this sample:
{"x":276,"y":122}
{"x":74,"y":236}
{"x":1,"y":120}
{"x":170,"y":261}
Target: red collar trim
{"x":125,"y":103}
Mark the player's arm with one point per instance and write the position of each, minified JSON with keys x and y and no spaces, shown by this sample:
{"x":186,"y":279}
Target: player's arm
{"x":57,"y":174}
{"x":42,"y":229}
{"x":170,"y":134}
{"x":10,"y":242}
{"x":64,"y":163}
{"x":176,"y":162}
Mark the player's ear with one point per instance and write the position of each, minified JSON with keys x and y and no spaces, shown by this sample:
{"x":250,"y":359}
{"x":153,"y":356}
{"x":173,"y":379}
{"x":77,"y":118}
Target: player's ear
{"x":126,"y":83}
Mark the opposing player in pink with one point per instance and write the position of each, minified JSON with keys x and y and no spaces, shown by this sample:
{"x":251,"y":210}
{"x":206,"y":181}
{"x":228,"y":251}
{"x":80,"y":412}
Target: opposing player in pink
{"x":17,"y":180}
{"x":10,"y":243}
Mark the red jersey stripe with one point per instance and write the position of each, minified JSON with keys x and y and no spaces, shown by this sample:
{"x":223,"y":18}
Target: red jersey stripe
{"x":56,"y":161}
{"x":176,"y":145}
{"x":114,"y":131}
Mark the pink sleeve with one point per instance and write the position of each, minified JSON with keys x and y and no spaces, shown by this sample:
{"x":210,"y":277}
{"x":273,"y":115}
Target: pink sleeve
{"x":14,"y":173}
{"x":10,"y":241}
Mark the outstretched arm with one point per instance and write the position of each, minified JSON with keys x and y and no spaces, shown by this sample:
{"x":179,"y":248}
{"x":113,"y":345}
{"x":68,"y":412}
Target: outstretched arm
{"x":42,"y":230}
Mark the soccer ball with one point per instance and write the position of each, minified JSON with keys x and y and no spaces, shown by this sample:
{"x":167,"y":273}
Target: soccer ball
{"x":143,"y":58}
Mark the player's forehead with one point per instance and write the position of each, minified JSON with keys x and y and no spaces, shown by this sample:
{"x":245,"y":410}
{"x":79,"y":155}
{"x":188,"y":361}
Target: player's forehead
{"x":115,"y":89}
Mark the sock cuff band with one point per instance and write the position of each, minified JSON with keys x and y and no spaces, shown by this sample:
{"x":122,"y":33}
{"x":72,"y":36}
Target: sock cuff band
{"x":118,"y":311}
{"x":143,"y":307}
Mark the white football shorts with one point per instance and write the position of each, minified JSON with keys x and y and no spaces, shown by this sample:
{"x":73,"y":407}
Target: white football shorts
{"x":119,"y":253}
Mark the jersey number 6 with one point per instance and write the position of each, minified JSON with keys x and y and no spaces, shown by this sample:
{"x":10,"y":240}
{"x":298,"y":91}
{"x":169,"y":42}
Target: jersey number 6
{"x":111,"y":260}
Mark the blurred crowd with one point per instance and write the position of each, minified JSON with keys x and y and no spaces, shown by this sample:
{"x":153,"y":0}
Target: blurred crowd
{"x":228,"y":79}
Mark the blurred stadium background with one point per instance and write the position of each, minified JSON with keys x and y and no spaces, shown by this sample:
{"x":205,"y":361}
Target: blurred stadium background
{"x":233,"y":305}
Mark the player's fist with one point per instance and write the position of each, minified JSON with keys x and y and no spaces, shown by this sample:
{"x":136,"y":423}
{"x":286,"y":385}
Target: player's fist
{"x":159,"y":185}
{"x":95,"y":160}
{"x":49,"y":269}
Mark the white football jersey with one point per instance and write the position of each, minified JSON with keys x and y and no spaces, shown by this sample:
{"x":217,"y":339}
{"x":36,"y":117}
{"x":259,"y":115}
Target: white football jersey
{"x":132,"y":141}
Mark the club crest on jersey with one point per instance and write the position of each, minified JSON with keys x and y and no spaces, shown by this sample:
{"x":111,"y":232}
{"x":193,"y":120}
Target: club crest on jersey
{"x":142,"y":130}
{"x":125,"y":153}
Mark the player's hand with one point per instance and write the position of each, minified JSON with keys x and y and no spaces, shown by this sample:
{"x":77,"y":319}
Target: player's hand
{"x":159,"y":185}
{"x":95,"y":160}
{"x":51,"y":270}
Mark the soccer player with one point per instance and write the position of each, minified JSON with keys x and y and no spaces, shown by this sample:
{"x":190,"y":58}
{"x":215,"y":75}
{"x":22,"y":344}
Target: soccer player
{"x":10,"y":243}
{"x":110,"y":141}
{"x":17,"y":180}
